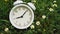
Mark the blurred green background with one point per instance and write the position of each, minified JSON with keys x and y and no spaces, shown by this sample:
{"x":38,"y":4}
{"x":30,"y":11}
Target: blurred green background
{"x":46,"y":19}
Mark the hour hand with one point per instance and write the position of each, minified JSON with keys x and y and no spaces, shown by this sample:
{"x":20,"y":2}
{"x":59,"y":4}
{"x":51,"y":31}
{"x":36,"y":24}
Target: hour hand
{"x":19,"y":17}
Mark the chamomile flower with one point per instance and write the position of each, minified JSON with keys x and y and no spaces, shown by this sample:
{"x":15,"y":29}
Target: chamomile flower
{"x":54,"y":5}
{"x":44,"y":29}
{"x":34,"y":1}
{"x":38,"y":23}
{"x":32,"y":26}
{"x":6,"y":0}
{"x":54,"y":1}
{"x":43,"y":16}
{"x":6,"y":29}
{"x":51,"y":9}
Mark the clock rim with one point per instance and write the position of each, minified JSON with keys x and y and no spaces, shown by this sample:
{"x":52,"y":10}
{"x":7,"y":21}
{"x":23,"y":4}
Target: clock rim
{"x":11,"y":21}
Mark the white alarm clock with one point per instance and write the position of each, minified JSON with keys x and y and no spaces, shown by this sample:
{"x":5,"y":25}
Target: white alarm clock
{"x":21,"y":15}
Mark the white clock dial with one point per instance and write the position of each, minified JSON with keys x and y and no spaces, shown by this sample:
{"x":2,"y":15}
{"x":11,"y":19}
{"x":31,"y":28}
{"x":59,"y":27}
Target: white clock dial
{"x":21,"y":16}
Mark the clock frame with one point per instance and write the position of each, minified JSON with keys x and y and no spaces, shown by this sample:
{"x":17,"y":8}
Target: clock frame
{"x":19,"y":6}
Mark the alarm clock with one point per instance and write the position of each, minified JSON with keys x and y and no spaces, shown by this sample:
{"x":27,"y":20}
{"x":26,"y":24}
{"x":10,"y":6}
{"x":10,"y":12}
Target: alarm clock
{"x":21,"y":15}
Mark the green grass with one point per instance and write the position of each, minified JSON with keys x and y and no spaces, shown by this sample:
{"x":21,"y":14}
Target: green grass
{"x":49,"y":25}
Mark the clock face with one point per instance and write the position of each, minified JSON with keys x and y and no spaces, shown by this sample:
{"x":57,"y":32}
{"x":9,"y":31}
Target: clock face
{"x":21,"y":16}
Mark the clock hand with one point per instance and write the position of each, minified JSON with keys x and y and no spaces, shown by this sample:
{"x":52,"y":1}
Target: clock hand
{"x":22,"y":15}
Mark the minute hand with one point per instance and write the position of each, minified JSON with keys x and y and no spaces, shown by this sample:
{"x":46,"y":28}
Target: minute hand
{"x":22,"y":15}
